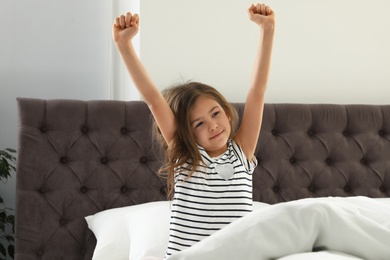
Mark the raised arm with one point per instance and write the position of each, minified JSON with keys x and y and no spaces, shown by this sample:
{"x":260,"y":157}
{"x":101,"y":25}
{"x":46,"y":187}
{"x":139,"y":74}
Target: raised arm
{"x":124,"y":29}
{"x":249,"y":131}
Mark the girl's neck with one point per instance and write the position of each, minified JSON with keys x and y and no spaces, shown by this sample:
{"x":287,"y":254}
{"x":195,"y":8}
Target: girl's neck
{"x":217,"y":153}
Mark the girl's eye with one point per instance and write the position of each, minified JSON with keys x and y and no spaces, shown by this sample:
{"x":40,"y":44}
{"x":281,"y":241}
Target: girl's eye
{"x":215,"y":113}
{"x":198,"y":124}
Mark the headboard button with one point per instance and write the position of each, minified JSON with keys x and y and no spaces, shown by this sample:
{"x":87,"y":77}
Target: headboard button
{"x":329,"y":161}
{"x":42,"y":190}
{"x":293,"y":160}
{"x":274,"y":132}
{"x":382,"y":132}
{"x":310,"y":132}
{"x":124,"y":130}
{"x":84,"y":130}
{"x":275,"y":189}
{"x":63,"y":160}
{"x":143,"y":159}
{"x":83,"y":189}
{"x":382,"y":189}
{"x":363,"y":161}
{"x":311,"y":189}
{"x":40,"y":252}
{"x":124,"y":189}
{"x":62,"y":222}
{"x":347,"y":189}
{"x":104,"y":160}
{"x":346,"y":133}
{"x":43,"y":129}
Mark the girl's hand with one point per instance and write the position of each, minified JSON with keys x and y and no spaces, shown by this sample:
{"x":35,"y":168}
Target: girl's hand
{"x":262,"y":15}
{"x":125,"y":27}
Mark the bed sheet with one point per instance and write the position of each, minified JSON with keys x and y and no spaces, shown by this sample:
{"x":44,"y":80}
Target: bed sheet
{"x":352,"y":228}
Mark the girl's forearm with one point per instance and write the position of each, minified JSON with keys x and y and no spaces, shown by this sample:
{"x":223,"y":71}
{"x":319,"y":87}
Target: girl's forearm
{"x":261,"y":68}
{"x":138,"y":73}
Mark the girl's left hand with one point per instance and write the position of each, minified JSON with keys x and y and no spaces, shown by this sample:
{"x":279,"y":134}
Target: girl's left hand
{"x":125,"y":27}
{"x":262,"y":15}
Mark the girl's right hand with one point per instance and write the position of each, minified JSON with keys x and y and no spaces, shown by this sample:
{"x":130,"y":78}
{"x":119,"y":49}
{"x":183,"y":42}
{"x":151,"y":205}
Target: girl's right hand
{"x":125,"y":27}
{"x":262,"y":15}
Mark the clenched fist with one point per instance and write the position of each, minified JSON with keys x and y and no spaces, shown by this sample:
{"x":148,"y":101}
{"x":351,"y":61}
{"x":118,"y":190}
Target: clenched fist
{"x":125,"y":27}
{"x":262,"y":15}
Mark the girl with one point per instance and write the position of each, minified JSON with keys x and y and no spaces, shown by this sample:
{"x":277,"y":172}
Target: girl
{"x":209,"y":161}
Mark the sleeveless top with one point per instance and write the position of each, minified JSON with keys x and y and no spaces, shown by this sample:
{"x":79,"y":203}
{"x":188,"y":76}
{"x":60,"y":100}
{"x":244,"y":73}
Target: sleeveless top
{"x":217,"y":193}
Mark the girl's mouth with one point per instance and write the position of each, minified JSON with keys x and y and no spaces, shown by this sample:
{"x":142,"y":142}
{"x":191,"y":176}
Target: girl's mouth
{"x":217,"y":135}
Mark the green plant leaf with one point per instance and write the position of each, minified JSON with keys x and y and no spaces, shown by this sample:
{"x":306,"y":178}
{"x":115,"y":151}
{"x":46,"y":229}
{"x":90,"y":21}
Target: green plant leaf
{"x":11,"y":250}
{"x":10,"y":238}
{"x":7,"y":220}
{"x":7,"y":163}
{"x":11,"y":219}
{"x":3,"y":216}
{"x":2,"y":250}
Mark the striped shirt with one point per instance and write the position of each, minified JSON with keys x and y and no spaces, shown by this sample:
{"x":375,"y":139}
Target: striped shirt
{"x":217,"y":193}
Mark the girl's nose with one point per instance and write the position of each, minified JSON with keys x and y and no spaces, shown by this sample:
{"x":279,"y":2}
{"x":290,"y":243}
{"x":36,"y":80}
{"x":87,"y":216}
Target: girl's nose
{"x":213,"y":126}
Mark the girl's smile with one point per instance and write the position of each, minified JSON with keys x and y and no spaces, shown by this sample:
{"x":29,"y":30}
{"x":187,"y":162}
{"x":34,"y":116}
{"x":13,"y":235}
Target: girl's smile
{"x":217,"y":135}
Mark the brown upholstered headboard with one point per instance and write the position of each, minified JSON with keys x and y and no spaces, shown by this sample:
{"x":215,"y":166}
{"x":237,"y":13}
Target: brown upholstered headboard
{"x":76,"y":158}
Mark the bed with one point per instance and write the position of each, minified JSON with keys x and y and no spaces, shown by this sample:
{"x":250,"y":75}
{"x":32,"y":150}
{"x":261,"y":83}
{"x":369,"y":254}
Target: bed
{"x":87,"y":184}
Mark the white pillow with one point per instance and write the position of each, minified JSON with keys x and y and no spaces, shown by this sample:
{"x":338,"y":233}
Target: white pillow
{"x":110,"y":230}
{"x":148,"y":231}
{"x":134,"y":232}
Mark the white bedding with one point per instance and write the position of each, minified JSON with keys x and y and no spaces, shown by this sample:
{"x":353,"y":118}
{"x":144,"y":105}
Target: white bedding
{"x":290,"y":230}
{"x":342,"y":228}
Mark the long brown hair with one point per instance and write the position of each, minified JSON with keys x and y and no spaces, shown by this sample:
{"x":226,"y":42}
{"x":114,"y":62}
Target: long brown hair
{"x":183,"y":148}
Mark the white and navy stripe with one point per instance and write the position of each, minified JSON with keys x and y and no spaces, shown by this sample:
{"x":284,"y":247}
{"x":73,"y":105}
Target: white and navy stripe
{"x":208,"y":201}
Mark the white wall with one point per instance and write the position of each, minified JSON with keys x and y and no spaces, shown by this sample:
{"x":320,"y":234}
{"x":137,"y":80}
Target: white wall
{"x":50,"y":49}
{"x":325,"y":51}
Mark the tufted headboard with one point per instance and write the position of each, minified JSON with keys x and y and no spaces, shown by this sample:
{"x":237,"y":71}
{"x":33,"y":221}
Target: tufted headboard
{"x":76,"y":158}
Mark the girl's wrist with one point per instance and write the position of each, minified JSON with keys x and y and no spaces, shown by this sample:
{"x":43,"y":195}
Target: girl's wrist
{"x":122,"y":45}
{"x":267,"y":28}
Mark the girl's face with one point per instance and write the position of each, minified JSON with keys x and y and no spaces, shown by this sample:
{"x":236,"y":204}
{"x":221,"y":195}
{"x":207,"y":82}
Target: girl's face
{"x":210,"y":125}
